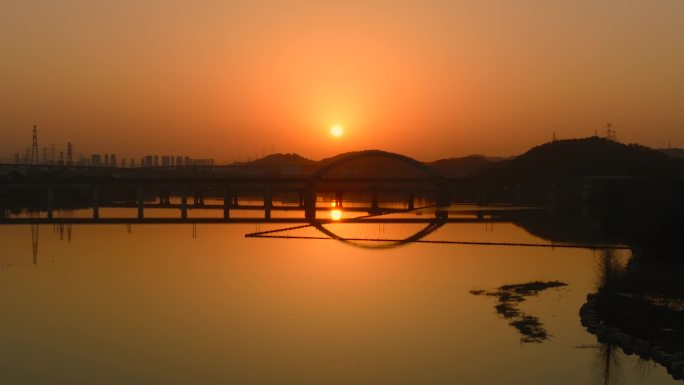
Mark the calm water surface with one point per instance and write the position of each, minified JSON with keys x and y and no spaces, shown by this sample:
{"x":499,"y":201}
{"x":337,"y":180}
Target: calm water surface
{"x":161,"y":305}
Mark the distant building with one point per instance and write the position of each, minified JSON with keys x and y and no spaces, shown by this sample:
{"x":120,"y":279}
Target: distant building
{"x":112,"y":160}
{"x":156,"y":160}
{"x":96,"y":160}
{"x":166,"y":161}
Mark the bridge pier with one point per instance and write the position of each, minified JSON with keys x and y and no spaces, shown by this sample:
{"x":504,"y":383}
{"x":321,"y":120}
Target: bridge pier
{"x":184,"y":203}
{"x":338,"y":198}
{"x":310,"y":203}
{"x":96,"y":202}
{"x":140,"y":200}
{"x":268,"y":202}
{"x":165,"y":198}
{"x":50,"y":202}
{"x":442,"y":201}
{"x":410,"y":205}
{"x":375,"y":204}
{"x":227,"y":195}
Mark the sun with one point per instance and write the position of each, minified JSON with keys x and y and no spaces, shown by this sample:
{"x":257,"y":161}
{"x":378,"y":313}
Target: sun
{"x":336,"y":130}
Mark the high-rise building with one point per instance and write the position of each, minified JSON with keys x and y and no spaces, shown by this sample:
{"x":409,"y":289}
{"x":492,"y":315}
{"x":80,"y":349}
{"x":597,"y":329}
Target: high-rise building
{"x":179,"y":161}
{"x":112,"y":160}
{"x":96,"y":160}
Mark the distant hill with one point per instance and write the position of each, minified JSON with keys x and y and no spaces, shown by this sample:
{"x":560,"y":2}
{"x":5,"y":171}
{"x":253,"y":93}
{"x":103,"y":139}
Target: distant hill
{"x":460,"y":167}
{"x":281,"y":160}
{"x":557,"y":162}
{"x":673,"y":152}
{"x":567,"y":161}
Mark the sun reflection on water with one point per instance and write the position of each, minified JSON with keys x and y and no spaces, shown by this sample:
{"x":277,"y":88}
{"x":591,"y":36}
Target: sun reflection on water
{"x":336,"y":214}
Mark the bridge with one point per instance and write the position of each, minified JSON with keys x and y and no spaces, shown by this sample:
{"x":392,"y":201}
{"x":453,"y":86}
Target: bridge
{"x":55,"y":192}
{"x":227,"y":193}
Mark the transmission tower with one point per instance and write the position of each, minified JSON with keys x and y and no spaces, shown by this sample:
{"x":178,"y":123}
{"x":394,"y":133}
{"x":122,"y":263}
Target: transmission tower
{"x":70,"y":158}
{"x":610,"y":133}
{"x":34,"y":146}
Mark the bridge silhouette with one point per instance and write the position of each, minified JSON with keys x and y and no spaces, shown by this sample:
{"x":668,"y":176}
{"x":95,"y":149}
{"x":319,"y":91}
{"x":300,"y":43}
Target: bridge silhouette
{"x":50,"y":193}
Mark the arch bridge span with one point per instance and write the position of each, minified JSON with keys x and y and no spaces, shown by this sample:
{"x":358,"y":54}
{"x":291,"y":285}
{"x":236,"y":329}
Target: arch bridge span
{"x":320,"y":181}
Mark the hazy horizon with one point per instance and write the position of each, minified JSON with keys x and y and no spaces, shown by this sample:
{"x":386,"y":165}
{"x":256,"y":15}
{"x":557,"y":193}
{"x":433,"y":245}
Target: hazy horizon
{"x":430,"y":80}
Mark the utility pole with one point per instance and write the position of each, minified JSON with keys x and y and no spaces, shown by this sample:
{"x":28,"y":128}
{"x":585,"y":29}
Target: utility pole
{"x":70,"y":159}
{"x":34,"y":146}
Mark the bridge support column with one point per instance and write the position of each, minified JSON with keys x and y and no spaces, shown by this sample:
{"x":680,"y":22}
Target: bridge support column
{"x":227,"y":195}
{"x":410,"y":205}
{"x":96,"y":202}
{"x":165,"y":198}
{"x":140,"y":200}
{"x":50,"y":201}
{"x":268,"y":202}
{"x":443,"y":201}
{"x":184,"y":203}
{"x":236,"y":199}
{"x":301,"y":199}
{"x":375,"y":205}
{"x":338,"y":198}
{"x":310,"y":203}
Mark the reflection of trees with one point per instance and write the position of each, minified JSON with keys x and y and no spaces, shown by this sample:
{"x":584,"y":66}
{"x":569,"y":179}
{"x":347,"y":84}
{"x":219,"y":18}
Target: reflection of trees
{"x":609,"y":364}
{"x":610,"y":271}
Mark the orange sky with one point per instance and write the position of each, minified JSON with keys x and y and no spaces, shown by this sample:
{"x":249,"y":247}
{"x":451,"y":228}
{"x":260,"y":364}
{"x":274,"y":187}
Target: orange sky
{"x":429,"y":79}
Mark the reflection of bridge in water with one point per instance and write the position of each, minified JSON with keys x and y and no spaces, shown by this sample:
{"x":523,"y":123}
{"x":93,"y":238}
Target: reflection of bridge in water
{"x":56,"y":193}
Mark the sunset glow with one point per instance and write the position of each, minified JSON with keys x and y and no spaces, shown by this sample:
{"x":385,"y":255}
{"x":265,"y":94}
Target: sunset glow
{"x":427,"y":79}
{"x":336,"y":130}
